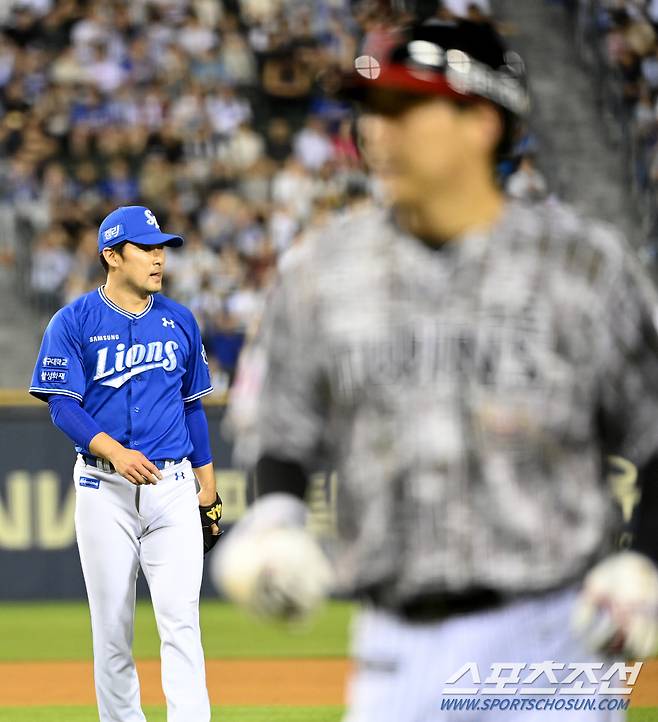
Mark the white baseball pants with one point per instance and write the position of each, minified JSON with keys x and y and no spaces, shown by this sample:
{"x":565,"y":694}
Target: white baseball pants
{"x":402,"y":668}
{"x":120,"y":527}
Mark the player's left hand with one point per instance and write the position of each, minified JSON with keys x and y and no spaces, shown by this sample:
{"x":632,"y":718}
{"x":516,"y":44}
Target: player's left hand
{"x":210,"y":515}
{"x":617,"y":610}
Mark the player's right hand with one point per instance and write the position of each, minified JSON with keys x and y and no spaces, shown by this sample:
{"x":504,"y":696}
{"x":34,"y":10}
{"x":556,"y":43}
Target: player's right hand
{"x":279,"y":573}
{"x":135,"y":467}
{"x":270,"y":564}
{"x":617,"y":609}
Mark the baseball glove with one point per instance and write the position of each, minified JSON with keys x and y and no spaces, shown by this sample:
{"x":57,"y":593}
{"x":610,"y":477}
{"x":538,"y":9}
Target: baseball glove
{"x":210,"y":516}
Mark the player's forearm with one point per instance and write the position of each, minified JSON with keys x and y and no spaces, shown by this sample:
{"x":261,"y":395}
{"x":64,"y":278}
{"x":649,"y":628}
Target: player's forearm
{"x":208,"y":486}
{"x":197,"y":425}
{"x":105,"y":446}
{"x":69,"y":416}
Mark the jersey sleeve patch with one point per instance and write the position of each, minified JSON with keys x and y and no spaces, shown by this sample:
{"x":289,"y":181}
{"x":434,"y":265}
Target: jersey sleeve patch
{"x":55,"y":361}
{"x":53,"y":376}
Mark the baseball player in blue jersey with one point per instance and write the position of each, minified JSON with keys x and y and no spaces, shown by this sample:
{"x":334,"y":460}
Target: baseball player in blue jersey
{"x":123,"y":370}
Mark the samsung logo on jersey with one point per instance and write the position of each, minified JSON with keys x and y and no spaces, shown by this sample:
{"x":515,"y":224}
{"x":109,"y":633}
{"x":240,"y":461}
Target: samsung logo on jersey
{"x":133,"y":361}
{"x":108,"y":337}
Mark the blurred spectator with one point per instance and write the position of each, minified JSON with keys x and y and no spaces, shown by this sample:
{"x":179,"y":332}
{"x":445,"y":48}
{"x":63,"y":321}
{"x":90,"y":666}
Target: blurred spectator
{"x":244,"y":148}
{"x":120,"y":187}
{"x":103,"y":70}
{"x":68,"y":69}
{"x":226,"y":111}
{"x":7,"y":60}
{"x":312,"y":145}
{"x":292,"y":188}
{"x":217,"y":220}
{"x":51,"y":266}
{"x":286,"y":80}
{"x":185,"y":267}
{"x":254,"y":185}
{"x":344,"y":148}
{"x":24,"y":23}
{"x":527,"y":183}
{"x":194,"y":37}
{"x":85,"y":272}
{"x":237,"y":61}
{"x":283,"y":227}
{"x":650,"y":70}
{"x":156,"y":181}
{"x":278,"y":139}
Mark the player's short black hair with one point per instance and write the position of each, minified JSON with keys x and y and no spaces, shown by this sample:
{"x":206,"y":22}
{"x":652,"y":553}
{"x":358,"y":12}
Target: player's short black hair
{"x":119,"y":249}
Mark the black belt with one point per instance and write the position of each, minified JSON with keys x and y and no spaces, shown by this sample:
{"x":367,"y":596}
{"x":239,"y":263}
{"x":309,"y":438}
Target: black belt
{"x":105,"y":465}
{"x":435,"y":607}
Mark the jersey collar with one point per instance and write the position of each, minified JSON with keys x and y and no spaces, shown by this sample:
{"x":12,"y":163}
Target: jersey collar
{"x":123,"y":312}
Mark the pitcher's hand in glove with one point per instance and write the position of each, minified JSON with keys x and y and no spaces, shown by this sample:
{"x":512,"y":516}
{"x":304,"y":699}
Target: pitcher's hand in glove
{"x":617,"y":610}
{"x":210,"y":516}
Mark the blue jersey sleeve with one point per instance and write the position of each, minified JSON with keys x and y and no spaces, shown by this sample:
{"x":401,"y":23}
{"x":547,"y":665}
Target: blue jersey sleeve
{"x":196,"y":381}
{"x":59,"y":367}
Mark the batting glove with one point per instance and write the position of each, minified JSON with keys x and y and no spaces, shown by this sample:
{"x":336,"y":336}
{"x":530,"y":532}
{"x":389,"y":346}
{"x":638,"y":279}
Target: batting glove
{"x":617,"y":610}
{"x":270,"y":565}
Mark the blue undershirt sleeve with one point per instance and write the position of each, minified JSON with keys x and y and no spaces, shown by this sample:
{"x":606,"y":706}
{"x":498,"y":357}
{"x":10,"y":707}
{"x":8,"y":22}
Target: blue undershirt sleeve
{"x":73,"y":420}
{"x":197,"y":425}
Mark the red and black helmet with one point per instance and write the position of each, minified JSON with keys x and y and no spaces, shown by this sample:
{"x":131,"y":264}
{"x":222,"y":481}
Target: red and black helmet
{"x":460,"y":60}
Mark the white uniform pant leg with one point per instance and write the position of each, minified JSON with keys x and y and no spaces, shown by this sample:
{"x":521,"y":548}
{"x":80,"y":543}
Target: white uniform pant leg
{"x":402,"y":668}
{"x":172,"y":560}
{"x":107,"y":529}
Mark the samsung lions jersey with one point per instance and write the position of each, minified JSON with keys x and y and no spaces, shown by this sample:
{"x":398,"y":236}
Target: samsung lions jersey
{"x":132,"y":372}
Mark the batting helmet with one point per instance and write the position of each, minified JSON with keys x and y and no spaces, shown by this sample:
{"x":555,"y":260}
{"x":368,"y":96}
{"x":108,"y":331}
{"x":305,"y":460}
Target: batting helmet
{"x":461,"y":60}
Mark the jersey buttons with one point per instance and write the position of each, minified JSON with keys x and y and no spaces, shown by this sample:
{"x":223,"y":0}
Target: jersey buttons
{"x":136,"y":409}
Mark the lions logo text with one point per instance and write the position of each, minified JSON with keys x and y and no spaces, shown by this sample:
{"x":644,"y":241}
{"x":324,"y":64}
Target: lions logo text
{"x":133,"y":361}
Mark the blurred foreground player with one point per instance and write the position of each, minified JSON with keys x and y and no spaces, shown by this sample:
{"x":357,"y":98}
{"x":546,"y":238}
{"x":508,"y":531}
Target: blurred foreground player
{"x":123,"y":370}
{"x":466,"y":363}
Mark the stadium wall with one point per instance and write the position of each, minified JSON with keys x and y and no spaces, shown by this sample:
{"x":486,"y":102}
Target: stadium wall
{"x":38,"y":554}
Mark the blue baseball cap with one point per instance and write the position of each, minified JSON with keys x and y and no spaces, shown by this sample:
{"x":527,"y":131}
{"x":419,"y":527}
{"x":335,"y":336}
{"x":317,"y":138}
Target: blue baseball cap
{"x":136,"y":224}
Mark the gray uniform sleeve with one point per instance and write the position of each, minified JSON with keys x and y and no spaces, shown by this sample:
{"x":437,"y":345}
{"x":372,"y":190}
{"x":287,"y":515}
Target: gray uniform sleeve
{"x":629,"y":390}
{"x":280,"y":383}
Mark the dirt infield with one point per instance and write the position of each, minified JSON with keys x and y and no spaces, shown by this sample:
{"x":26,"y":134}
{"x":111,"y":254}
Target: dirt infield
{"x":239,"y":682}
{"x":234,"y":682}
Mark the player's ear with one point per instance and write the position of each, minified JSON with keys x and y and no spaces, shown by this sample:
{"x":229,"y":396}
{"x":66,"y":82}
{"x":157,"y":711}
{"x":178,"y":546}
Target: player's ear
{"x":487,"y":128}
{"x":111,"y":257}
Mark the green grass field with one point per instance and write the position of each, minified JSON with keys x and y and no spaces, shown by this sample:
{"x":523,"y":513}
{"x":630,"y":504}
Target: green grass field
{"x":60,"y":631}
{"x":228,"y":633}
{"x":158,"y":714}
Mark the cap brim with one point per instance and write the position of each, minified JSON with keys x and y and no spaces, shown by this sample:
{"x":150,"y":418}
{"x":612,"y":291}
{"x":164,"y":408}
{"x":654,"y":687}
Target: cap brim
{"x":157,"y":239}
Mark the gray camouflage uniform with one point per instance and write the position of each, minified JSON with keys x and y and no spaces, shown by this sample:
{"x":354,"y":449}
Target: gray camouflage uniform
{"x":466,"y":395}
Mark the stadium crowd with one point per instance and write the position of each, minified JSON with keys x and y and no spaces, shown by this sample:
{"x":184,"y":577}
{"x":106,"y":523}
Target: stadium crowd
{"x":621,"y":44}
{"x":214,"y":114}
